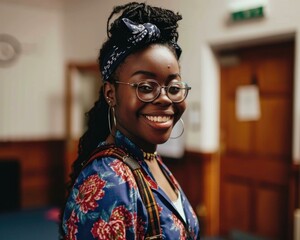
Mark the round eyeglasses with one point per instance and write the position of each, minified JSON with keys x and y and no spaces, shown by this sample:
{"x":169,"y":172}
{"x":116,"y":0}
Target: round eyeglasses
{"x":149,"y":90}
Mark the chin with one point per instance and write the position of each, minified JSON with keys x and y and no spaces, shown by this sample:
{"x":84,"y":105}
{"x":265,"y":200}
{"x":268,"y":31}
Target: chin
{"x":161,"y":142}
{"x":158,"y":137}
{"x":163,"y":139}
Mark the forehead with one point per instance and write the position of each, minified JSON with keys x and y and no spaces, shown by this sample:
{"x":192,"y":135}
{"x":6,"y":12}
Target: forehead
{"x":156,"y":59}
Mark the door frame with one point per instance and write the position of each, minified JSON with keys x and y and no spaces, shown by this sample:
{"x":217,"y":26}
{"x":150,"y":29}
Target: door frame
{"x":71,"y":145}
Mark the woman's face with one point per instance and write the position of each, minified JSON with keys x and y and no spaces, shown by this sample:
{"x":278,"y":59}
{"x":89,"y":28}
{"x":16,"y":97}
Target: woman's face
{"x":147,"y":124}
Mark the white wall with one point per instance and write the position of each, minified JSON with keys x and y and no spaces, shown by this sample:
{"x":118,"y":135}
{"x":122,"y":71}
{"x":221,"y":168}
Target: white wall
{"x":204,"y":27}
{"x":31,"y":90}
{"x":85,"y":26}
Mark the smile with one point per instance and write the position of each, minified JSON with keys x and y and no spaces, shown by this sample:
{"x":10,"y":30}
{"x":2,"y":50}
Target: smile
{"x":158,"y":119}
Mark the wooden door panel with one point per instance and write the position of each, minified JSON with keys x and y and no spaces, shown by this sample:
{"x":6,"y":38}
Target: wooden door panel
{"x":272,"y":135}
{"x":274,"y":75}
{"x":256,"y":169}
{"x":255,"y":199}
{"x":256,"y":159}
{"x":236,"y":195}
{"x":270,"y":204}
{"x":238,"y":134}
{"x":240,"y":74}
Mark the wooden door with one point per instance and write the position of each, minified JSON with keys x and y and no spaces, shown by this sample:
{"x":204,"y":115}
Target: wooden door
{"x":256,"y":152}
{"x":83,"y":82}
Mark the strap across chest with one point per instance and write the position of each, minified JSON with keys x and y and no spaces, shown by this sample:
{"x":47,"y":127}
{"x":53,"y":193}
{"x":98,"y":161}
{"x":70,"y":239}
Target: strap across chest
{"x":154,"y":229}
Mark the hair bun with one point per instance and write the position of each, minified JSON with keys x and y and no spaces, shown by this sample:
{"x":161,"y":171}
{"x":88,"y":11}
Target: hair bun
{"x":166,"y":20}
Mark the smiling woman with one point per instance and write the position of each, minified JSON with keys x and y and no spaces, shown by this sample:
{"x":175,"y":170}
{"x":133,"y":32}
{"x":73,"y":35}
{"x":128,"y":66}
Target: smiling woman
{"x":138,"y":117}
{"x":120,"y":188}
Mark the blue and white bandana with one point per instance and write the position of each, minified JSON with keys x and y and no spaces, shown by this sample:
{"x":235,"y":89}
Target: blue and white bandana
{"x":139,"y":35}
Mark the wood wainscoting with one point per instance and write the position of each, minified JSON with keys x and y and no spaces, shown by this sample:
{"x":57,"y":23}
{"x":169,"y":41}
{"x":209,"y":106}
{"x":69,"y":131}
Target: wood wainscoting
{"x":199,"y":176}
{"x":41,"y":170}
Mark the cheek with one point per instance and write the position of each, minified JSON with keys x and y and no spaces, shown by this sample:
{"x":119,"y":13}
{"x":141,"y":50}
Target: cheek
{"x":126,"y":97}
{"x":128,"y":106}
{"x":180,"y":108}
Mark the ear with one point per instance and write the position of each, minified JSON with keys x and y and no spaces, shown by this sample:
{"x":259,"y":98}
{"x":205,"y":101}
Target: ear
{"x":109,"y":92}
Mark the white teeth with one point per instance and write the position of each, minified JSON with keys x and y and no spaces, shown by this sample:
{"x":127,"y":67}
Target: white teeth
{"x":159,"y":119}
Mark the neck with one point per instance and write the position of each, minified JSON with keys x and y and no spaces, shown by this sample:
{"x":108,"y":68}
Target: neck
{"x":110,"y":139}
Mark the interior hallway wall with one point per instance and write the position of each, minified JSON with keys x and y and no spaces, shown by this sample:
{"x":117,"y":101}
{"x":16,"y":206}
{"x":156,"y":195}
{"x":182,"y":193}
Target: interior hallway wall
{"x":204,"y":27}
{"x":32,"y":90}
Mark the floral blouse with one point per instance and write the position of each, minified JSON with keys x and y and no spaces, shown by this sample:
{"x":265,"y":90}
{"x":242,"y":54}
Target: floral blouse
{"x":105,"y":202}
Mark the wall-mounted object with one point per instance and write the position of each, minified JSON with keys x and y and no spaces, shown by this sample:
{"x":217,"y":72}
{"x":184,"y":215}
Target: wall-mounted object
{"x":194,"y":116}
{"x":247,"y":103}
{"x":247,"y":9}
{"x":10,"y":49}
{"x":257,"y":12}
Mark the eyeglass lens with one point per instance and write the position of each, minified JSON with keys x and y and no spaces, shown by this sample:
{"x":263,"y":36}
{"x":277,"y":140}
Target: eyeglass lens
{"x":148,"y":91}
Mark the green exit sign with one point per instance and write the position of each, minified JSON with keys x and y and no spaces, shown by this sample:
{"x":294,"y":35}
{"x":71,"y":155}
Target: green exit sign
{"x":248,"y":14}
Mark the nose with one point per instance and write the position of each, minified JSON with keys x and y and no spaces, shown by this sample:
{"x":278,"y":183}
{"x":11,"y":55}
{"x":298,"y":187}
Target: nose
{"x":163,"y":97}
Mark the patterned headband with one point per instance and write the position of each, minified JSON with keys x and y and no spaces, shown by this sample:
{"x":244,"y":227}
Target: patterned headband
{"x":139,"y":35}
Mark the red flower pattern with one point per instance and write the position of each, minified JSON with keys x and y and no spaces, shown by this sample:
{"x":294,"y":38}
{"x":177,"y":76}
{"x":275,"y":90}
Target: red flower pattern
{"x":178,"y":225}
{"x":122,"y":222}
{"x":152,"y":183}
{"x":72,"y":227}
{"x":89,"y":192}
{"x":123,"y":171}
{"x":115,"y":228}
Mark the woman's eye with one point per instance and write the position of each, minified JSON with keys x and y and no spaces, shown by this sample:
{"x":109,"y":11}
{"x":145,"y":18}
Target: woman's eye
{"x":174,"y":89}
{"x":145,"y":88}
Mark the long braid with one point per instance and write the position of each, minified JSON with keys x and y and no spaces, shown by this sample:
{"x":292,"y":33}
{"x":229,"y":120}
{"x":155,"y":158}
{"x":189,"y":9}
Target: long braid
{"x":97,"y":131}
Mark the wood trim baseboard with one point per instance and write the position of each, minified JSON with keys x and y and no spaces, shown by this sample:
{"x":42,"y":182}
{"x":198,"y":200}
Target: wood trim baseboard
{"x":42,"y":168}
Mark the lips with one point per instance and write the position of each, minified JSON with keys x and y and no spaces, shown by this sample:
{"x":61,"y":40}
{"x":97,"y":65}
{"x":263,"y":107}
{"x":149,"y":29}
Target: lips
{"x":158,"y":119}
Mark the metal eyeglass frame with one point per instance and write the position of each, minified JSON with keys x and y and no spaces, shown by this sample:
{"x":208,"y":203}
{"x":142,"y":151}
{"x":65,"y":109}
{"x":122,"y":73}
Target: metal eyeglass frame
{"x":136,"y":85}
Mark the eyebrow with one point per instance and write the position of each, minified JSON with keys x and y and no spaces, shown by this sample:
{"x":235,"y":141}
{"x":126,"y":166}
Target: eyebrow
{"x":151,"y":74}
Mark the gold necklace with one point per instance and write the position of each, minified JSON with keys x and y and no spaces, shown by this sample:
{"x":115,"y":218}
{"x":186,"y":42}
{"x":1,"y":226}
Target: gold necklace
{"x":149,"y":156}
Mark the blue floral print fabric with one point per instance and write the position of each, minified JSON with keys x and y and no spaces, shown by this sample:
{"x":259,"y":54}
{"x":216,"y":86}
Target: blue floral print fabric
{"x":105,"y":202}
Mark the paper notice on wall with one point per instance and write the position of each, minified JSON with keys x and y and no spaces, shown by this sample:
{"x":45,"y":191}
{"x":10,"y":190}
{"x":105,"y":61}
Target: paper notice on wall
{"x":247,"y":103}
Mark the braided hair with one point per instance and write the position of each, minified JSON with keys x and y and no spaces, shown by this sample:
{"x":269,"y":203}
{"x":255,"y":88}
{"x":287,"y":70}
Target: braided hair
{"x":97,"y":124}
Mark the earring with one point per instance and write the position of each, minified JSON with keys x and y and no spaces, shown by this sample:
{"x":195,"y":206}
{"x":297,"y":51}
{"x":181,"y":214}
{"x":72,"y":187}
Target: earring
{"x":111,"y":110}
{"x":182,"y":131}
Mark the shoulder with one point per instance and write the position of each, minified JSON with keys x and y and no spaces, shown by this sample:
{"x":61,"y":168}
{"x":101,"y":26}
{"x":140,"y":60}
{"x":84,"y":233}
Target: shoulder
{"x":104,"y":183}
{"x":104,"y":193}
{"x":112,"y":171}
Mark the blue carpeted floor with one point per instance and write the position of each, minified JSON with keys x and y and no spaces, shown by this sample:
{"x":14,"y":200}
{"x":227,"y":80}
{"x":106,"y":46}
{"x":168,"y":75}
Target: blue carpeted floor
{"x":42,"y":224}
{"x":28,"y":225}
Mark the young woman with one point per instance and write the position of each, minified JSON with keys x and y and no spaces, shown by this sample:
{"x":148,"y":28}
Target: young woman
{"x":142,"y":98}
